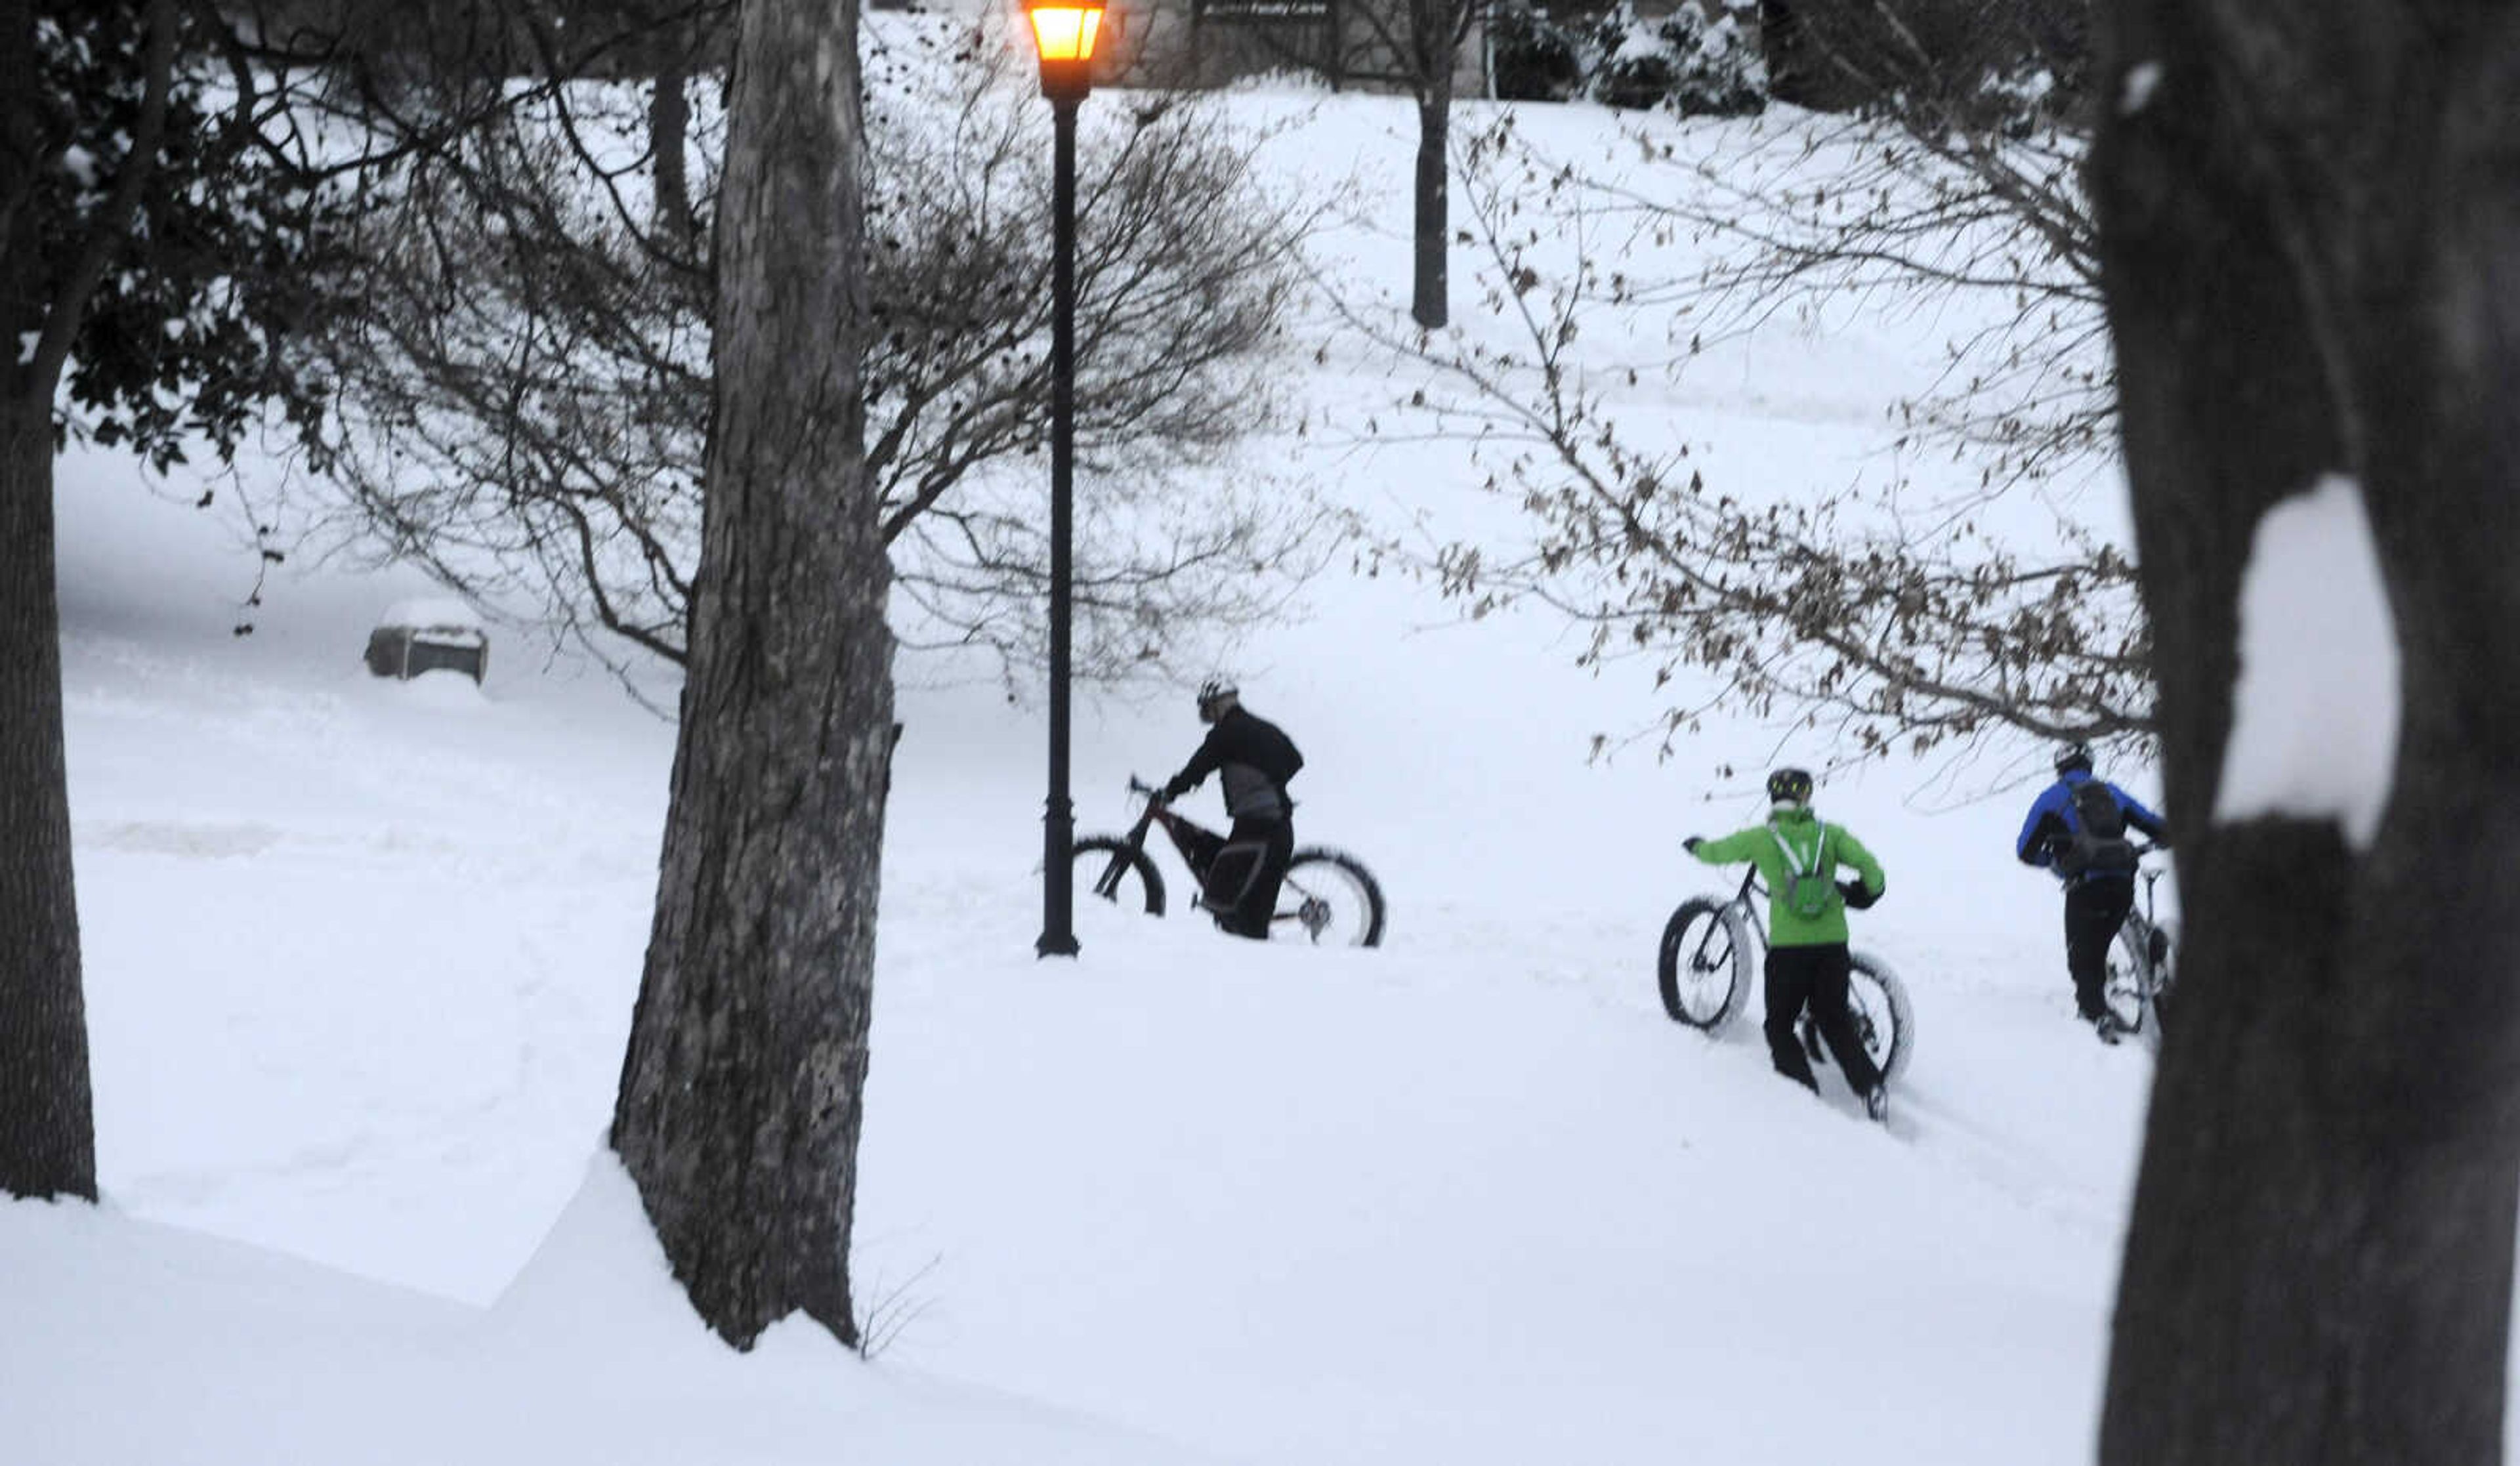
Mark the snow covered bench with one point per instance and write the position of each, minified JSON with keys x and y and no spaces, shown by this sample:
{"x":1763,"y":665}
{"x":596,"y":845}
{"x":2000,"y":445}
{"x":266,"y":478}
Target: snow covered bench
{"x":414,"y":637}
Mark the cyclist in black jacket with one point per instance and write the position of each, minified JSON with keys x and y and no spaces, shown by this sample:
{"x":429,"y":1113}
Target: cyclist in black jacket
{"x":1254,"y":760}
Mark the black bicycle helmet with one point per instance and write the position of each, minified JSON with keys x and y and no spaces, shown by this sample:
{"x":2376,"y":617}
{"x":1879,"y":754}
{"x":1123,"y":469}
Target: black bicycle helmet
{"x":1789,"y":786}
{"x":2073,"y":756}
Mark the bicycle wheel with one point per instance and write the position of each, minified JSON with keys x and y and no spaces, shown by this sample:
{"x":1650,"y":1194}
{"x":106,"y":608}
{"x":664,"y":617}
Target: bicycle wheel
{"x":1704,"y":968}
{"x":1330,"y":900}
{"x":2165,"y":970}
{"x":1106,"y":866}
{"x":1878,"y":1002}
{"x":2139,"y":977}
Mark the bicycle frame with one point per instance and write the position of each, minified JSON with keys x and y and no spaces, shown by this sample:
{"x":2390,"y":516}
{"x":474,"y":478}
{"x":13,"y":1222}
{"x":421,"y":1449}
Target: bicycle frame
{"x":1194,"y":842}
{"x":1746,"y":900}
{"x":1323,"y":892}
{"x":1199,"y":847}
{"x":2156,"y":977}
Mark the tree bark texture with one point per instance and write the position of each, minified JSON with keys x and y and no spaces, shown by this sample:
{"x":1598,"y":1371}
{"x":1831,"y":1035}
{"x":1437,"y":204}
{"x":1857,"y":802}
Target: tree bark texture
{"x":47,"y":1118}
{"x":2310,"y":224}
{"x":740,"y":1104}
{"x":669,"y":128}
{"x":1430,"y":284}
{"x":47,"y":1121}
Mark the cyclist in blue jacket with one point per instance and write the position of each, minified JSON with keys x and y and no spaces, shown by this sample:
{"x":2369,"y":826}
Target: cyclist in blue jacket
{"x":2077,"y":829}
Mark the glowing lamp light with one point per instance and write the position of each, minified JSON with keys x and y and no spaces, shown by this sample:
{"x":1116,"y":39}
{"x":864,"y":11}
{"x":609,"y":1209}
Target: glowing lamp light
{"x":1064,"y":32}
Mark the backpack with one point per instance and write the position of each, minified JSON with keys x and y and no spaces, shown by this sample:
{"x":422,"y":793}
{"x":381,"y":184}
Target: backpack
{"x":2100,"y":845}
{"x":1807,"y":892}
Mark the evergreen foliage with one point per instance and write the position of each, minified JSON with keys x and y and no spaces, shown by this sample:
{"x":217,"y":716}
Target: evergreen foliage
{"x":1532,"y":57}
{"x":1684,"y":60}
{"x":229,"y":250}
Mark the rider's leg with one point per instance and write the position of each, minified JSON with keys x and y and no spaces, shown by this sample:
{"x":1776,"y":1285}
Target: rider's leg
{"x":2094,"y":909}
{"x":1229,"y":880}
{"x":1240,"y":877}
{"x":1259,"y":903}
{"x":1788,"y":987}
{"x":1831,"y":970}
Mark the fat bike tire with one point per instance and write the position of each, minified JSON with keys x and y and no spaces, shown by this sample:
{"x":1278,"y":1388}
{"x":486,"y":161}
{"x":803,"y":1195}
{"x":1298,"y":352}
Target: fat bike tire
{"x":1703,"y":968}
{"x":1878,"y":1000}
{"x":1137,"y":886}
{"x":2138,"y":975}
{"x":1330,"y":900}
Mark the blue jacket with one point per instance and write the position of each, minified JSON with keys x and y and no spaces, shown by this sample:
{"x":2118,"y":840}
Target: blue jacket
{"x":2052,"y":822}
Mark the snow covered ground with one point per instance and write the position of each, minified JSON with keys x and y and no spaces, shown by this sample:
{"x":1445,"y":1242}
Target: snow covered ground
{"x":361,"y":955}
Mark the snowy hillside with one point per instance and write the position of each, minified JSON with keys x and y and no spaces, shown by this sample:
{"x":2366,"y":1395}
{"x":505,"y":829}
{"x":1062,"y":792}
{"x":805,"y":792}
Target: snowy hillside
{"x":361,"y":955}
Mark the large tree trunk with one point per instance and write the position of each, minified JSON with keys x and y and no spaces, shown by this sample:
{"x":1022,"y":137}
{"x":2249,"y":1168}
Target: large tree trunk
{"x":47,"y":1124}
{"x":2309,"y":220}
{"x":47,"y":1120}
{"x":1432,"y":280}
{"x":739,"y":1104}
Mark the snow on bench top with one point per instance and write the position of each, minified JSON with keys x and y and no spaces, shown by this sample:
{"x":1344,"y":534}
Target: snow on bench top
{"x":431,"y":614}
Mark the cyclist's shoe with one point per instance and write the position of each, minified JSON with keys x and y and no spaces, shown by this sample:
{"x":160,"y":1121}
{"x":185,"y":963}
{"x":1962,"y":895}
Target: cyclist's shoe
{"x":2108,"y":1027}
{"x":1876,"y":1103}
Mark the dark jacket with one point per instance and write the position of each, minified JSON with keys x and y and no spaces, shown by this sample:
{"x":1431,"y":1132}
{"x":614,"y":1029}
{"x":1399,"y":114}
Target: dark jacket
{"x":2052,"y":822}
{"x":1255,"y":760}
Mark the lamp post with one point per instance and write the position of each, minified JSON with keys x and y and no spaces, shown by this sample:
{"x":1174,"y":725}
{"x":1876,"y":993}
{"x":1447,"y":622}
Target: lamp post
{"x":1064,"y":31}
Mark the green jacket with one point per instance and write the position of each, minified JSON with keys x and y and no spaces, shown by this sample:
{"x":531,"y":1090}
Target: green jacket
{"x":1799,"y":826}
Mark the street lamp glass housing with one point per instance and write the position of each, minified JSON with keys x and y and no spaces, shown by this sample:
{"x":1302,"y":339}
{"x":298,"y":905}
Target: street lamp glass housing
{"x":1064,"y":32}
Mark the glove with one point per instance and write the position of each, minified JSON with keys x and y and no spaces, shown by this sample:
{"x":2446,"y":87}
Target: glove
{"x":1692,"y":843}
{"x":1856,"y":896}
{"x":1175,"y":787}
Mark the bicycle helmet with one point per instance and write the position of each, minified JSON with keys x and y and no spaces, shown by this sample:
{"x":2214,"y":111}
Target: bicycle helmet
{"x":2073,"y":756}
{"x":1215,"y":695}
{"x":1789,"y":786}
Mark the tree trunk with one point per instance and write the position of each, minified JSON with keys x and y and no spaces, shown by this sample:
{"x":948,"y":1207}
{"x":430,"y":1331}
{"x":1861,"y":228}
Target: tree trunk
{"x":1431,"y":289}
{"x":1781,"y":45}
{"x":669,"y":127}
{"x":47,"y":1122}
{"x":2310,"y":226}
{"x":47,"y":1118}
{"x":739,"y":1103}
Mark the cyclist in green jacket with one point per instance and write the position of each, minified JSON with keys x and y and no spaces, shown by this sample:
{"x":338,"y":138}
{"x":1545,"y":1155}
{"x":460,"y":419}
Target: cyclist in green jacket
{"x":1798,"y":857}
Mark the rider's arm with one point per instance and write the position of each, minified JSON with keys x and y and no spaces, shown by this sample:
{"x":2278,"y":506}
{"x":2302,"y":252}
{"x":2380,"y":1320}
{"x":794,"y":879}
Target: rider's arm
{"x":2143,"y":819}
{"x":1202,"y":764}
{"x":1732,"y":849}
{"x":1851,"y":851}
{"x":2032,"y":846}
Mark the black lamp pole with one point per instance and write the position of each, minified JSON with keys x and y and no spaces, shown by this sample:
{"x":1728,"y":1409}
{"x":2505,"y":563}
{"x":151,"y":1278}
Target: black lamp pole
{"x":1064,"y":84}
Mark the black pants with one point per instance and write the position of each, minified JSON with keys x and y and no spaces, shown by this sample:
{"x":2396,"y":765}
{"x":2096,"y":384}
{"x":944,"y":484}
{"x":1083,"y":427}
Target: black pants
{"x":2094,"y":909}
{"x":1243,"y":880}
{"x":1816,"y":976}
